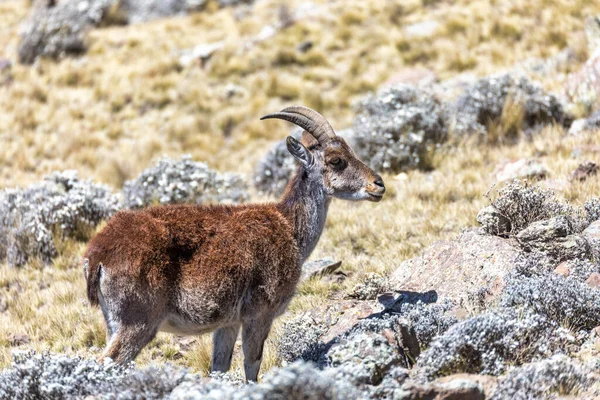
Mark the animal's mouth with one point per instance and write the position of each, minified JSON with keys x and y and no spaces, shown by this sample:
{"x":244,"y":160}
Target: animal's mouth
{"x":375,"y":196}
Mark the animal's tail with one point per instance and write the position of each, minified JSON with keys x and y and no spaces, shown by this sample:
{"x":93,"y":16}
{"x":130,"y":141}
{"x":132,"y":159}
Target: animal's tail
{"x":92,"y":276}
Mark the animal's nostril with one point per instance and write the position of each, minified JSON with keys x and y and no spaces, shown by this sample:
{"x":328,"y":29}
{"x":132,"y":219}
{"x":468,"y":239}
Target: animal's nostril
{"x":379,"y":182}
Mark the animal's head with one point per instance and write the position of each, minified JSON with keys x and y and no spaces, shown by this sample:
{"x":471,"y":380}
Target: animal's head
{"x":327,"y":157}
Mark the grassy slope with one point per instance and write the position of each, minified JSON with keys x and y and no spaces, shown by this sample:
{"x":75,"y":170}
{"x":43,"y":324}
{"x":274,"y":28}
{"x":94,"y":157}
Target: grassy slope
{"x":108,"y":114}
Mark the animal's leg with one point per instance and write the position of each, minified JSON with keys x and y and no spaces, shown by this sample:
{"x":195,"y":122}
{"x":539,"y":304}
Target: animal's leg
{"x":254,"y":334}
{"x":110,"y":326}
{"x":223,"y":343}
{"x":128,"y":340}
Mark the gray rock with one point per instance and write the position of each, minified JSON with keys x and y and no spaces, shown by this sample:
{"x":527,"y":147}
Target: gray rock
{"x":370,"y":287}
{"x":558,"y":376}
{"x":555,"y":238}
{"x":567,"y":301}
{"x":369,"y":355}
{"x":493,"y":222}
{"x":484,"y":102}
{"x":62,"y":29}
{"x":523,"y":204}
{"x":491,"y":342}
{"x":60,"y":206}
{"x":592,"y":231}
{"x":183,"y":181}
{"x":325,"y":266}
{"x":584,"y":171}
{"x":397,"y":129}
{"x":521,"y":169}
{"x":455,"y":268}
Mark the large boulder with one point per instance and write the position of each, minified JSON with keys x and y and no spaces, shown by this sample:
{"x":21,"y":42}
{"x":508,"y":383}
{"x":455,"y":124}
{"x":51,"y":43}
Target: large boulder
{"x":407,"y":323}
{"x":62,"y":205}
{"x":183,"y":181}
{"x":488,"y":100}
{"x":555,"y":237}
{"x":491,"y":342}
{"x":397,"y":128}
{"x":556,"y":376}
{"x":61,"y":29}
{"x":458,"y":268}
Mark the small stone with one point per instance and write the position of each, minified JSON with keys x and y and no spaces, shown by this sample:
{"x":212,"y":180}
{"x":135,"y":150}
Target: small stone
{"x":563,"y":269}
{"x":19,"y":339}
{"x":578,"y":126}
{"x":325,"y":266}
{"x":5,"y":65}
{"x":592,"y":231}
{"x":412,"y":76}
{"x":520,"y":169}
{"x":421,"y":29}
{"x":584,"y":171}
{"x":593,"y":280}
{"x":305,"y":46}
{"x":201,"y":53}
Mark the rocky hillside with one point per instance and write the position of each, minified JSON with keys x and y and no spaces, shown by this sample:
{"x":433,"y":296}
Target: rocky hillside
{"x":478,"y":275}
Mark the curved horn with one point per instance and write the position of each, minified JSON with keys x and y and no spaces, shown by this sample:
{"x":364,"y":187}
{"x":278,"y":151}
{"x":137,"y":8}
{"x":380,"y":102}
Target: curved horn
{"x":310,"y":120}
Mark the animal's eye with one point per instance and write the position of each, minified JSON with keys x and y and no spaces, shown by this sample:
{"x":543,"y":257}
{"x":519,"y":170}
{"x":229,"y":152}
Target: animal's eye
{"x":335,"y":161}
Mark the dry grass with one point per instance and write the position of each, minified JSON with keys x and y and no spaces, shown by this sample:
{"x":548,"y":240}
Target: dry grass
{"x":128,"y":101}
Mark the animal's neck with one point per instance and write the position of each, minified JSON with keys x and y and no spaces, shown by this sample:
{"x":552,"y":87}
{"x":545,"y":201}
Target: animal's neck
{"x":305,"y":205}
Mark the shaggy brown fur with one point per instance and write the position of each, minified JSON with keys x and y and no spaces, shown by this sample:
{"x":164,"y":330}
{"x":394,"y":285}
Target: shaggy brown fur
{"x":191,"y":269}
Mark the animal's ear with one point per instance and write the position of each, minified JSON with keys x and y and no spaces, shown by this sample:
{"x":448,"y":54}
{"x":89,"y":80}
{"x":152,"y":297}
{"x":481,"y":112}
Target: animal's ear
{"x":299,"y":152}
{"x":309,"y":141}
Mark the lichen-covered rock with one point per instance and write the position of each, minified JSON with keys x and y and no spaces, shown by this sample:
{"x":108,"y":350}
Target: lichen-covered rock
{"x":409,"y":325}
{"x":521,"y":204}
{"x":49,"y":376}
{"x":183,"y":181}
{"x":558,"y":375}
{"x":458,"y":267}
{"x":298,"y":381}
{"x":554,"y":237}
{"x":397,"y":128}
{"x":367,"y":355}
{"x":369,"y":288}
{"x":61,"y":205}
{"x":563,"y":300}
{"x":61,"y":29}
{"x":592,"y":209}
{"x":493,"y":221}
{"x":486,"y":101}
{"x":488,"y":343}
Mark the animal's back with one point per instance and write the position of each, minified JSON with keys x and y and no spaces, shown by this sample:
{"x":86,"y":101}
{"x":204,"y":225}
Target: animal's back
{"x":205,"y":263}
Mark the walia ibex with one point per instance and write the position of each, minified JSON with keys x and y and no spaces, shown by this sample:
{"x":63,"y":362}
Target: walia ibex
{"x":191,"y":269}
